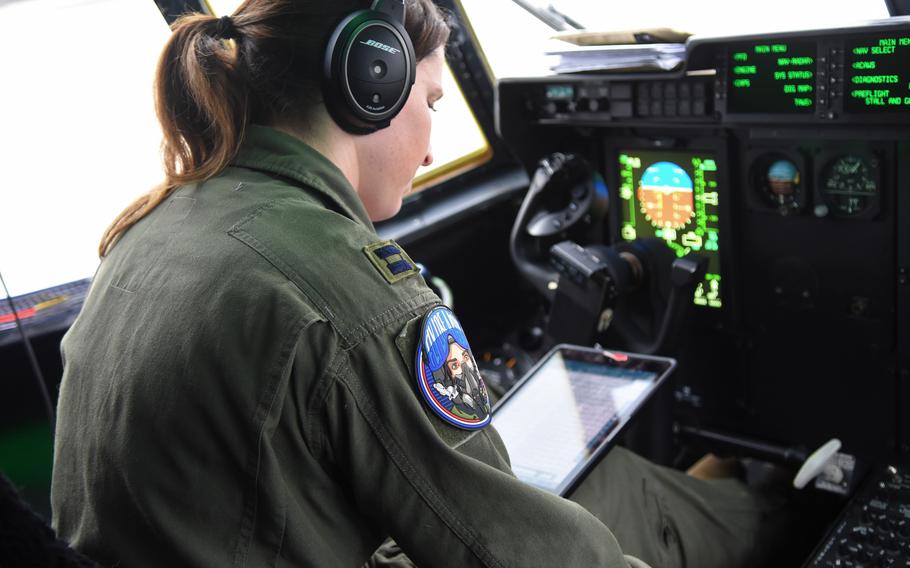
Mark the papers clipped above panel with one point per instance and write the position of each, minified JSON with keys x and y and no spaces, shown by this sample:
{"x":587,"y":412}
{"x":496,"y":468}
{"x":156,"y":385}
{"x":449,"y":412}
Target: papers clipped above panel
{"x":619,"y":58}
{"x":623,"y":37}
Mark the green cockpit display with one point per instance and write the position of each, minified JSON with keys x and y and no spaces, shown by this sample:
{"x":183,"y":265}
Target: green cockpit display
{"x":560,"y":92}
{"x":776,"y":77}
{"x":673,"y":196}
{"x":877,"y":74}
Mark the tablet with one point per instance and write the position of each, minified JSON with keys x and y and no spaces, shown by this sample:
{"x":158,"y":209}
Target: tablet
{"x":566,"y":412}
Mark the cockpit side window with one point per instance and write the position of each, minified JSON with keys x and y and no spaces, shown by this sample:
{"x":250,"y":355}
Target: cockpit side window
{"x":79,"y":140}
{"x":457,"y":140}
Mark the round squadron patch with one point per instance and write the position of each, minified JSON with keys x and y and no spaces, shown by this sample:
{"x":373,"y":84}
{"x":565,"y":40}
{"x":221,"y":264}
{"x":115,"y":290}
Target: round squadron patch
{"x":447,"y":373}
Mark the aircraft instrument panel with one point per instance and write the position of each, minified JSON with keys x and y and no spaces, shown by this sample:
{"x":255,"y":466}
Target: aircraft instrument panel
{"x":845,"y":76}
{"x":772,"y":77}
{"x":861,"y":74}
{"x":783,"y":159}
{"x":878,"y":73}
{"x":674,"y":196}
{"x":855,"y":75}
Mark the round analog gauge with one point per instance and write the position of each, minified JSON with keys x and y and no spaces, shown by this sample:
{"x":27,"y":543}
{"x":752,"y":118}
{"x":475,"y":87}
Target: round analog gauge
{"x":666,"y":195}
{"x":849,"y":184}
{"x":779,"y":182}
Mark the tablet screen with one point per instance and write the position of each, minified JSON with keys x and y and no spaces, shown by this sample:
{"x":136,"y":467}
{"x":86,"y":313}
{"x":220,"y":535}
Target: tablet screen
{"x":568,"y":407}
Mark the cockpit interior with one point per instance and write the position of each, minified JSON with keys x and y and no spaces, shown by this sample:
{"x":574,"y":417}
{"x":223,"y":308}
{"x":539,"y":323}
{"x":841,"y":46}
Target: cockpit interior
{"x":736,"y":200}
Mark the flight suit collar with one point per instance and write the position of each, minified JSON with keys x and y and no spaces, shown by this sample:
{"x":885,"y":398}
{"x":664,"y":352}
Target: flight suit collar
{"x":272,"y":151}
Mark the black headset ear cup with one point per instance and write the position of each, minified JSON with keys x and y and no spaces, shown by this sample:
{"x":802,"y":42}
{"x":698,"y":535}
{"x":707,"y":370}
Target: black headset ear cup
{"x":369,"y":71}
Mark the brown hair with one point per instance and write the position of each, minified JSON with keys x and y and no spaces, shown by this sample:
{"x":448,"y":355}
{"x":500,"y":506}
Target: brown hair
{"x":208,"y":89}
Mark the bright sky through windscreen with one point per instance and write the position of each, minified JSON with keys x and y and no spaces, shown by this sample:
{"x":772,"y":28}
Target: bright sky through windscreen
{"x":514,"y":41}
{"x":79,"y":137}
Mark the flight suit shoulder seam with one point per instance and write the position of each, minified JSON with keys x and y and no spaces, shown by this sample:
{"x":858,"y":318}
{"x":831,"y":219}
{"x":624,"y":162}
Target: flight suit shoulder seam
{"x":351,"y":333}
{"x":321,"y":392}
{"x":250,"y":240}
{"x":408,"y":307}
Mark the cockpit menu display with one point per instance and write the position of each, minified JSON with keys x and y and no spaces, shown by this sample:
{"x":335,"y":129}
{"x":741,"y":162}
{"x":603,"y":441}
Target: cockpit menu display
{"x":877,"y":74}
{"x":673,"y":196}
{"x":776,"y":77}
{"x":560,"y":92}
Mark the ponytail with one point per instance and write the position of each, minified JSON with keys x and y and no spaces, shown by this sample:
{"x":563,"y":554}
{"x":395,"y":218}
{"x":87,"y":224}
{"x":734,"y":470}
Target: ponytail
{"x":208,"y":89}
{"x":202,"y":105}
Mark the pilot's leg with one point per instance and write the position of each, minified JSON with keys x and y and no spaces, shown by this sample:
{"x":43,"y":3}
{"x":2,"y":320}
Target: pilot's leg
{"x":670,"y":519}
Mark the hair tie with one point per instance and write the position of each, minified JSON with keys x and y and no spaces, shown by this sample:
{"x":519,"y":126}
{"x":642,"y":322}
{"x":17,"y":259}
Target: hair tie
{"x":225,"y":29}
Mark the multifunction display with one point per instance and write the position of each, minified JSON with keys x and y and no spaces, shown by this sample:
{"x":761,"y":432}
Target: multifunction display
{"x":673,"y":196}
{"x":877,"y":74}
{"x":773,"y":77}
{"x":560,"y":92}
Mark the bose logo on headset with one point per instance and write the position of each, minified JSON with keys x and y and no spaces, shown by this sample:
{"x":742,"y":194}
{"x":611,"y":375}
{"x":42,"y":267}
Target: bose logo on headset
{"x":369,"y":67}
{"x":382,"y":46}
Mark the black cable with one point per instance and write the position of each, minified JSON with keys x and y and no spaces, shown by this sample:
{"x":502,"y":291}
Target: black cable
{"x":39,"y":376}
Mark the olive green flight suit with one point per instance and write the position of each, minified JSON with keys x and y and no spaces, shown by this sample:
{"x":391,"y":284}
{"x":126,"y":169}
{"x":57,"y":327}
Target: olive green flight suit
{"x":238,"y":391}
{"x":669,"y":519}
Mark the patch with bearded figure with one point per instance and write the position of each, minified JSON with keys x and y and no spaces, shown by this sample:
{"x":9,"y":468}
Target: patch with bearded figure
{"x":447,"y":374}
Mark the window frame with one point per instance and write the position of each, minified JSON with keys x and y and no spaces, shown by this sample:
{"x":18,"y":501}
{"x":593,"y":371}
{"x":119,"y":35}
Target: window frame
{"x":475,"y":81}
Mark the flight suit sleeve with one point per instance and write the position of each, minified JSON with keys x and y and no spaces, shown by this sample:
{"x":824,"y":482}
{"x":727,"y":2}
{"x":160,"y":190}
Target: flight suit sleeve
{"x":447,"y":496}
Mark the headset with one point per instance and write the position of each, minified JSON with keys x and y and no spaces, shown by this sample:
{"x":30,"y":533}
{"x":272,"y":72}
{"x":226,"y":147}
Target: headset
{"x":369,"y":68}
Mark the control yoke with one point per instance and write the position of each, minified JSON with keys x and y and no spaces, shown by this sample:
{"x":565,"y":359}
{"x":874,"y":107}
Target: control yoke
{"x":640,"y":282}
{"x":560,"y":195}
{"x":593,"y":279}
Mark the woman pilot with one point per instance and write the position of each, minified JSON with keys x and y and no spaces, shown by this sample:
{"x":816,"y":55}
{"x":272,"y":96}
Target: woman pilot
{"x":241,"y":389}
